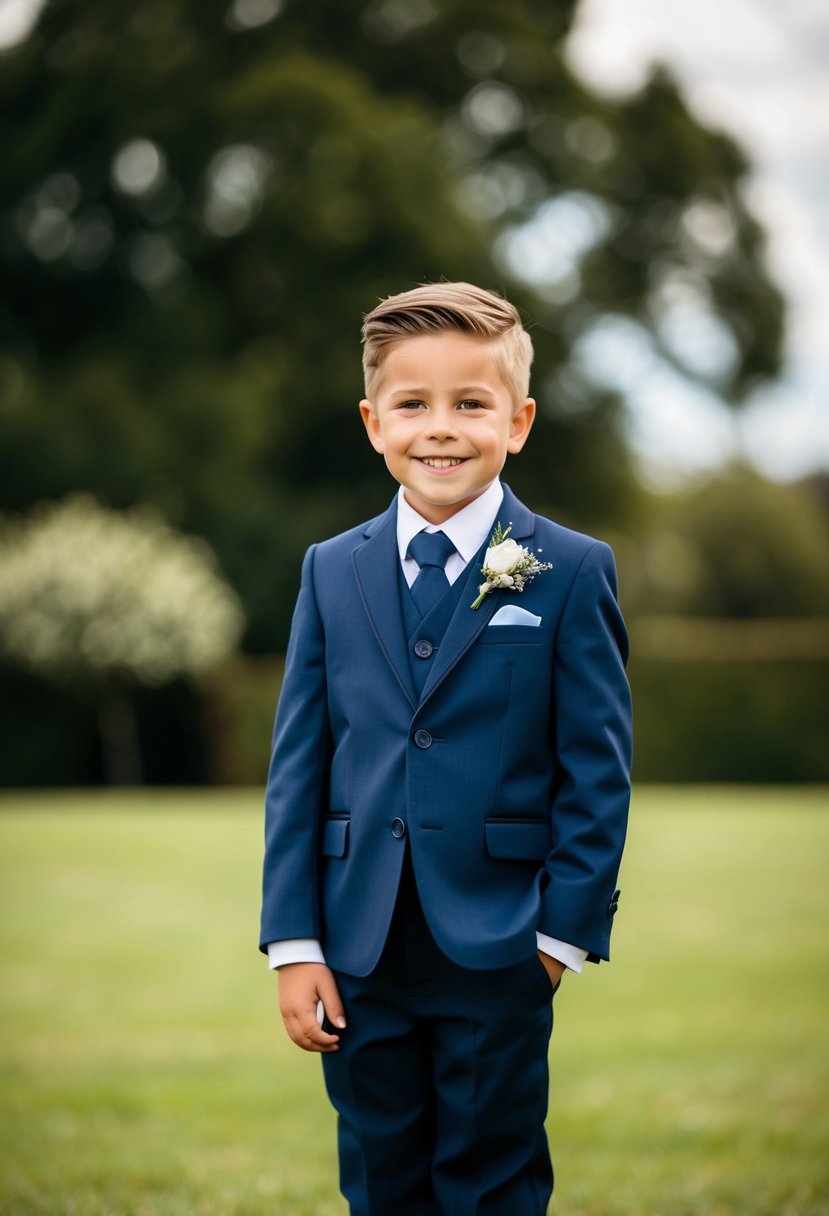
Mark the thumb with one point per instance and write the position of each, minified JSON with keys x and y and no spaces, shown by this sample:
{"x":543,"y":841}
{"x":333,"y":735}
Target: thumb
{"x":330,"y":997}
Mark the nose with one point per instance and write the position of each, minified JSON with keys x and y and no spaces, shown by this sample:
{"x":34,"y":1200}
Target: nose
{"x":442,"y":424}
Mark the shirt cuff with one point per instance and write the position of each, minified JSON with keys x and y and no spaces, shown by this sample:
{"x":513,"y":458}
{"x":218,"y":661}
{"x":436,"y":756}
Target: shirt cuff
{"x":573,"y":957}
{"x":294,"y":950}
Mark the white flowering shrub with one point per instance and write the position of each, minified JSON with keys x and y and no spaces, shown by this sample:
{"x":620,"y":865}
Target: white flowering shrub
{"x":84,"y":588}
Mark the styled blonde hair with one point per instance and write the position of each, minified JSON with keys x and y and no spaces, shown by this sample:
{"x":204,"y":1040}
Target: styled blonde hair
{"x":433,"y":307}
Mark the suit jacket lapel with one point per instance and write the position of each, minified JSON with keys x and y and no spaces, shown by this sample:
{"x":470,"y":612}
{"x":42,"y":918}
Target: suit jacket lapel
{"x":375,"y":566}
{"x":466,"y":624}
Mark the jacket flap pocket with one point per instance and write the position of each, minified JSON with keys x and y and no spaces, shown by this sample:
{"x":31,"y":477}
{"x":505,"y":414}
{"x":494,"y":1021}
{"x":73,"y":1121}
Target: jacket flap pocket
{"x":335,"y":837}
{"x":517,"y":839}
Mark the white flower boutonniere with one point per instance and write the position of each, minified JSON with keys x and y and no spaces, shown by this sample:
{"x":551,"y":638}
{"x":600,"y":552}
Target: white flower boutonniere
{"x":507,"y":564}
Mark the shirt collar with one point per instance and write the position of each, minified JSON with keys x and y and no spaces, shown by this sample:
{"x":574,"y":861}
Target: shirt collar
{"x":467,"y":529}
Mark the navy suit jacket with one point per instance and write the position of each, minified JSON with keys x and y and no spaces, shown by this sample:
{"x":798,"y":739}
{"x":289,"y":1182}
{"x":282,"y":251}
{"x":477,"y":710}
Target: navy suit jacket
{"x":510,"y":771}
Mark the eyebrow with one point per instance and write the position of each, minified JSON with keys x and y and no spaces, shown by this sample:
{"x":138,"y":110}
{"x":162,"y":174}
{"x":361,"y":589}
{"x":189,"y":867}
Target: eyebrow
{"x":462,"y":391}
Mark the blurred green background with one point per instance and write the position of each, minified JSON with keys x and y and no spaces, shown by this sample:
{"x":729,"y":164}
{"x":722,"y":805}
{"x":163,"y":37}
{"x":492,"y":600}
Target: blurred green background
{"x":200,"y":200}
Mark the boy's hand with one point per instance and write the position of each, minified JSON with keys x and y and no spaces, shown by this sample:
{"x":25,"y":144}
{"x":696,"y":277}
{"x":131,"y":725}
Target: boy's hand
{"x":552,"y":966}
{"x":301,"y":987}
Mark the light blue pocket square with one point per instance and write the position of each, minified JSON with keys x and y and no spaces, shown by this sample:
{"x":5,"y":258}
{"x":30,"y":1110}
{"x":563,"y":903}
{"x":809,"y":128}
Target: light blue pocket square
{"x":511,"y":614}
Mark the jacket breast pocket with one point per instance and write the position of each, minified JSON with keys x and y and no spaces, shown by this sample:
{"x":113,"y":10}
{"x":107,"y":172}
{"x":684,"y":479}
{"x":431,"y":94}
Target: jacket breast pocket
{"x":531,"y":635}
{"x":518,"y":839}
{"x":335,"y":837}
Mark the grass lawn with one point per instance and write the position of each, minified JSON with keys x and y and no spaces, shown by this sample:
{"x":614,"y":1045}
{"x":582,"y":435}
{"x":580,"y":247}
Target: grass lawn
{"x":145,"y":1071}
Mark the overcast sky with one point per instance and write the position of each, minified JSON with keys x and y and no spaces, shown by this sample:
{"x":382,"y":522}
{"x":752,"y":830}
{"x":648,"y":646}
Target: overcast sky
{"x":759,"y":69}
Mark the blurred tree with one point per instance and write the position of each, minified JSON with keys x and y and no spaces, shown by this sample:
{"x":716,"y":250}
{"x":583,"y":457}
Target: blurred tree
{"x":112,"y":599}
{"x":200,"y":199}
{"x":737,"y":546}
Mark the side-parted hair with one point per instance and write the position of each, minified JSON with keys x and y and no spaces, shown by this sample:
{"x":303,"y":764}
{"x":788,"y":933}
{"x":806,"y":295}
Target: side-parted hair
{"x":433,"y":307}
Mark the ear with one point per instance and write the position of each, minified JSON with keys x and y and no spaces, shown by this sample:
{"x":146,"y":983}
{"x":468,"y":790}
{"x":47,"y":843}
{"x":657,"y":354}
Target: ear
{"x":522,"y":421}
{"x":372,"y":425}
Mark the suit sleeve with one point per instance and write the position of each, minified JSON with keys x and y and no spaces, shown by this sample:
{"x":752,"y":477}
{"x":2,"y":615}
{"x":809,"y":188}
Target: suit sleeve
{"x":297,"y":779}
{"x":593,"y":753}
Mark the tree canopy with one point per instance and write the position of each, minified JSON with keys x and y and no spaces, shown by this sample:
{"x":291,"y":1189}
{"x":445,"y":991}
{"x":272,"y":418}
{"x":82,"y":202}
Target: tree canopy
{"x":202,"y":199}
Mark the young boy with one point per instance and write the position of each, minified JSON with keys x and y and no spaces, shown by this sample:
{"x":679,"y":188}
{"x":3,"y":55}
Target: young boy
{"x":448,"y":791}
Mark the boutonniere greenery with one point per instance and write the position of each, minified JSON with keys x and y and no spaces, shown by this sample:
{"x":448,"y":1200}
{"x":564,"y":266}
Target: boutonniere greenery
{"x":507,"y":565}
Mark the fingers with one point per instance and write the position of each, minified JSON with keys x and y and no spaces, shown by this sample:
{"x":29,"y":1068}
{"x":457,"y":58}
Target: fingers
{"x":308,"y":1035}
{"x":301,"y":987}
{"x":331,"y":1003}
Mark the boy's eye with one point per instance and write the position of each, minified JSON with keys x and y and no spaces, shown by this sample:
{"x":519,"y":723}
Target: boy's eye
{"x":469,"y":404}
{"x":410,"y":405}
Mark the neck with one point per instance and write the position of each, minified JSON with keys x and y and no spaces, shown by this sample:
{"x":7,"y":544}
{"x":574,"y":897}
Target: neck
{"x":438,"y":513}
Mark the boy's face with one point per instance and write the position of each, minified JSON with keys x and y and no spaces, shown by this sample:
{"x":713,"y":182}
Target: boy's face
{"x":443,"y":420}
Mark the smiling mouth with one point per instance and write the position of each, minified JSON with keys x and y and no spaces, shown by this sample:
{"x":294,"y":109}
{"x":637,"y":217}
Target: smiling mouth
{"x":441,"y":462}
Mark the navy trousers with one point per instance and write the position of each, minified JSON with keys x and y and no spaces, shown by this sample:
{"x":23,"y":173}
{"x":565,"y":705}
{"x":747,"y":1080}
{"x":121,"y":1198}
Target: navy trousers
{"x":441,"y":1081}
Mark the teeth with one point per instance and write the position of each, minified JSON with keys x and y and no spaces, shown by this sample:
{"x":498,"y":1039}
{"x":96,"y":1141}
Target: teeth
{"x":445,"y":462}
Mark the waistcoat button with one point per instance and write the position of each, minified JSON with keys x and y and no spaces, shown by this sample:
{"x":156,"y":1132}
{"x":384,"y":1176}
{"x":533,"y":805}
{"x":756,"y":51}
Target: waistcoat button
{"x":423,"y":649}
{"x":422,"y":738}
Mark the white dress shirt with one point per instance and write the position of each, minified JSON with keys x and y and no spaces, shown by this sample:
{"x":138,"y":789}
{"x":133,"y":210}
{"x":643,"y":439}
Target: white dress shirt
{"x":467,"y":530}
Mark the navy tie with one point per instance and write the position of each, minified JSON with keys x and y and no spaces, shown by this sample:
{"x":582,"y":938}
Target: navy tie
{"x":431,"y":551}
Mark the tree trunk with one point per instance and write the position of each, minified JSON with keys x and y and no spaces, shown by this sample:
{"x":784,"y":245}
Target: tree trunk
{"x":120,"y":748}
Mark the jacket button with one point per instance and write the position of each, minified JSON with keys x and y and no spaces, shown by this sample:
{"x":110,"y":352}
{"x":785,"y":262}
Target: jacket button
{"x":423,"y":649}
{"x":398,"y":829}
{"x":422,"y":738}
